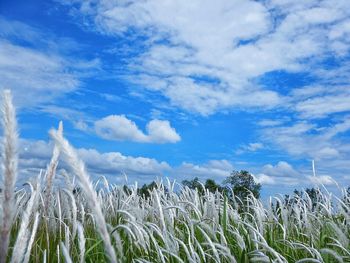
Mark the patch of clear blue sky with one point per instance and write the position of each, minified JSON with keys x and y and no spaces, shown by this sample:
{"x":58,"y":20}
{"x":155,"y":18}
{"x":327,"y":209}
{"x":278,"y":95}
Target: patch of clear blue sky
{"x":283,"y":82}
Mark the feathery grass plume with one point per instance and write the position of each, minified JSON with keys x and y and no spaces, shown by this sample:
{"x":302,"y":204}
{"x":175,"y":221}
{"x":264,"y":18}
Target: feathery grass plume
{"x":44,"y":256}
{"x":81,"y":243}
{"x":74,"y":213}
{"x":67,"y":237}
{"x":10,"y":162}
{"x":23,"y":234}
{"x":51,"y":169}
{"x":65,"y":253}
{"x":32,"y":237}
{"x":78,"y":167}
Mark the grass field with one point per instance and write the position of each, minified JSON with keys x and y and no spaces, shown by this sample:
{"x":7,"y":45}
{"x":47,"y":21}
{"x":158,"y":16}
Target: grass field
{"x":101,"y":222}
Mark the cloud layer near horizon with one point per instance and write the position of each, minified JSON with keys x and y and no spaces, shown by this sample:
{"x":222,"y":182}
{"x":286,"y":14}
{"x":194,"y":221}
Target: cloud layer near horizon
{"x":116,"y":167}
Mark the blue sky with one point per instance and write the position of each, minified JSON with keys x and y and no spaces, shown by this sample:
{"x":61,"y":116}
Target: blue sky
{"x":184,"y":89}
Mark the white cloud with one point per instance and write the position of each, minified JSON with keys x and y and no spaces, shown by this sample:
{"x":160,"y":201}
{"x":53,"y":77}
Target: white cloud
{"x":323,"y":106}
{"x":281,"y":169}
{"x":282,"y":173}
{"x":264,"y":179}
{"x":120,"y":128}
{"x":161,"y":132}
{"x":213,"y":169}
{"x":214,"y":52}
{"x":304,"y":139}
{"x":115,"y":163}
{"x":35,"y":155}
{"x":322,"y":180}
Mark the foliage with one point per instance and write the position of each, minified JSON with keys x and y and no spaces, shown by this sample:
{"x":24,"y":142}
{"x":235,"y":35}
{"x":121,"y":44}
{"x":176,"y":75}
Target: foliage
{"x":146,"y":189}
{"x":243,"y":184}
{"x":209,"y":185}
{"x":194,"y":184}
{"x":212,"y":186}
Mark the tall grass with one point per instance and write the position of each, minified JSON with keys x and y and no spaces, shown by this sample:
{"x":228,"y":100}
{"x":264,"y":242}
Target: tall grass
{"x":10,"y":160}
{"x":114,"y":225}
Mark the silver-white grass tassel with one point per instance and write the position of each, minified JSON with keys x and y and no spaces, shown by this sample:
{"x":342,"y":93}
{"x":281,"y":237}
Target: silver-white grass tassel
{"x":78,"y":167}
{"x":51,"y":169}
{"x":67,"y":180}
{"x":58,"y":253}
{"x":65,"y":253}
{"x":59,"y":213}
{"x":81,"y":242}
{"x":23,"y":233}
{"x":67,"y":237}
{"x":10,"y":163}
{"x":74,"y":213}
{"x":44,"y":256}
{"x":32,"y":237}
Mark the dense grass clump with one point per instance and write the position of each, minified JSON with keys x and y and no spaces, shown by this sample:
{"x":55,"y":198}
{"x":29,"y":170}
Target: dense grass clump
{"x":178,"y":227}
{"x":102,"y":222}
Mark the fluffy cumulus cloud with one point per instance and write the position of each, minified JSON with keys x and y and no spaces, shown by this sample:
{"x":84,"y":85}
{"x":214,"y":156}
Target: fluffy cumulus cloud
{"x":282,"y":173}
{"x":114,"y":164}
{"x":120,"y":128}
{"x":160,"y":131}
{"x":282,"y":169}
{"x":205,"y":56}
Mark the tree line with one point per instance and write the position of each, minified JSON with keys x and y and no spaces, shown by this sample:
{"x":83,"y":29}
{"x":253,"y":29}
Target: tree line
{"x":241,"y":184}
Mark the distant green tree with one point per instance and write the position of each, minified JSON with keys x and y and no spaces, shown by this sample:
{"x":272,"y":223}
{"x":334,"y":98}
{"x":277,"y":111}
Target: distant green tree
{"x":314,"y":194}
{"x":289,"y":200}
{"x":194,"y":184}
{"x":146,"y":189}
{"x":127,"y":190}
{"x":242,"y":184}
{"x":212,"y":186}
{"x":297,"y":193}
{"x":209,"y":184}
